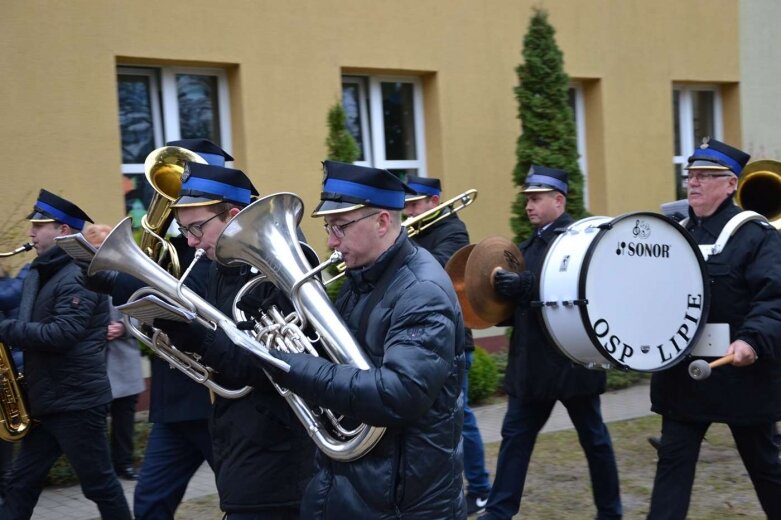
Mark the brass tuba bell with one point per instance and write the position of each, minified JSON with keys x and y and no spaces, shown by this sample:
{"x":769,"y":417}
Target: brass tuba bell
{"x":759,"y":189}
{"x":163,"y":169}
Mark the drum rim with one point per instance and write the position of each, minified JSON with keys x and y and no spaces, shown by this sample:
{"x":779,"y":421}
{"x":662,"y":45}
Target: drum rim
{"x":584,"y":316}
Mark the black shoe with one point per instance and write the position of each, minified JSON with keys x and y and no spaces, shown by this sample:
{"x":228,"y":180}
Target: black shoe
{"x":656,"y":442}
{"x":475,"y":503}
{"x":126,"y":473}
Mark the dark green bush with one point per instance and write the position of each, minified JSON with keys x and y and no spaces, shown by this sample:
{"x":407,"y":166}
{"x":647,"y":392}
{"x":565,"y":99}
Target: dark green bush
{"x":618,"y":379}
{"x":483,"y":376}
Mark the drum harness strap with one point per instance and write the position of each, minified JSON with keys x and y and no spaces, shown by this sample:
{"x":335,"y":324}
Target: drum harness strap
{"x":729,"y":229}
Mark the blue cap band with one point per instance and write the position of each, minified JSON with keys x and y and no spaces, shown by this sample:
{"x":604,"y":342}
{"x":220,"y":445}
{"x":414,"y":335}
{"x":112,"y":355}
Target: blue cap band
{"x":422,"y":189}
{"x":373,"y":196}
{"x":226,"y":191}
{"x":723,"y":159}
{"x":549,"y":181}
{"x":213,"y":158}
{"x":60,"y":216}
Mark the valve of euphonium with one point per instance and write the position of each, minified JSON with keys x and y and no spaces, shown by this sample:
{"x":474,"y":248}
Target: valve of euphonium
{"x":120,"y":253}
{"x":263,"y":235}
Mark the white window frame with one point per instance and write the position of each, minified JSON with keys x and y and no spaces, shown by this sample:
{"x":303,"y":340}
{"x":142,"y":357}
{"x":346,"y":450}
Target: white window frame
{"x":373,"y":129}
{"x":687,"y":142}
{"x":363,"y":118}
{"x":580,"y":127}
{"x":166,"y":117}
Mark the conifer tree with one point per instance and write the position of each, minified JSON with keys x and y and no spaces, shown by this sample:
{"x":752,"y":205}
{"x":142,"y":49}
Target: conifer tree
{"x":547,"y":125}
{"x":340,"y":142}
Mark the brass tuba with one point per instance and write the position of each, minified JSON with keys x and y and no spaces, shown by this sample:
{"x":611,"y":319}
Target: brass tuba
{"x":759,"y":189}
{"x":14,"y":412}
{"x":120,"y":253}
{"x":163,"y":169}
{"x":263,"y":235}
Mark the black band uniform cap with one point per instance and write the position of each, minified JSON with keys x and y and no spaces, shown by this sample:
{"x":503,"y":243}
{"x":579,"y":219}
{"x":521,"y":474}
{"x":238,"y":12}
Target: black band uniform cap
{"x":347,"y":187}
{"x":207,"y":184}
{"x":541,"y":179}
{"x":52,"y":208}
{"x":715,"y":155}
{"x":423,"y":186}
{"x":210,"y":152}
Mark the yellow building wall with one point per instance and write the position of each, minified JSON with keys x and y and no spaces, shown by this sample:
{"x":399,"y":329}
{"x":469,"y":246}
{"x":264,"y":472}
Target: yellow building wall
{"x":59,"y":124}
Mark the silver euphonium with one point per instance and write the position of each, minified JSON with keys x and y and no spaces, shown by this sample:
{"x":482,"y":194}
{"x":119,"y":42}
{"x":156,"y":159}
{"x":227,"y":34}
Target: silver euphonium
{"x":119,"y":252}
{"x":263,"y":235}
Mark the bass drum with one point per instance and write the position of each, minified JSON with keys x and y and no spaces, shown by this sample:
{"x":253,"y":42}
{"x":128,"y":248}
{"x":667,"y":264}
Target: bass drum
{"x":629,"y":292}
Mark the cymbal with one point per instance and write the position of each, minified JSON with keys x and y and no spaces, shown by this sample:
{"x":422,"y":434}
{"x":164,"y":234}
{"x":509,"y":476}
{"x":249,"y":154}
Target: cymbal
{"x":490,"y":255}
{"x":455,"y":268}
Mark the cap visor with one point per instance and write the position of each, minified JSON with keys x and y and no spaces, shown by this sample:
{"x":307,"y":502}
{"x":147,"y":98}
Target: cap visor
{"x":40,"y":217}
{"x":191,"y":202}
{"x":412,"y":198}
{"x":705,"y":165}
{"x":330,"y":207}
{"x":536,"y":189}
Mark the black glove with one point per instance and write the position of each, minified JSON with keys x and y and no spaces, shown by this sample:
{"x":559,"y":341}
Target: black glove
{"x":252,"y":304}
{"x":514,"y":286}
{"x":188,"y":337}
{"x":100,"y":282}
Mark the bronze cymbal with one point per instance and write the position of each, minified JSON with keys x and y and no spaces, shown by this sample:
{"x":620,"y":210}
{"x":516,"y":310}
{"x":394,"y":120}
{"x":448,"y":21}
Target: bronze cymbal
{"x":456,"y":268}
{"x":490,"y":255}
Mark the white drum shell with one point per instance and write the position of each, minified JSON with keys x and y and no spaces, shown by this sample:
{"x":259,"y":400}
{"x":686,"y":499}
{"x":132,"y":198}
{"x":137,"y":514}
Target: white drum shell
{"x":590,"y":293}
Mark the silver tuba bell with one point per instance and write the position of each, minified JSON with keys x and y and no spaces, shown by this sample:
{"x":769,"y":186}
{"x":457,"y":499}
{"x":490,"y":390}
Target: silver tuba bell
{"x":119,"y":252}
{"x":263,"y":235}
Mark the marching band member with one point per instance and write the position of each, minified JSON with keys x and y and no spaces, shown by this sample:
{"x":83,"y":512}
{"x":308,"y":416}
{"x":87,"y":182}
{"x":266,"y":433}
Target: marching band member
{"x":442,"y":239}
{"x":745,"y":293}
{"x":61,"y":327}
{"x":263,"y":458}
{"x":538,"y":375}
{"x":179,"y":408}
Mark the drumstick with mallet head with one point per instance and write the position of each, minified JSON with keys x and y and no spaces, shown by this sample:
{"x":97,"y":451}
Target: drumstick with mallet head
{"x":700,"y":369}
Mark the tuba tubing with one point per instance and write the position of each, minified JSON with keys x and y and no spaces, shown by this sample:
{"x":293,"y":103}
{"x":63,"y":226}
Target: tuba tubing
{"x":120,"y":253}
{"x":263,"y":235}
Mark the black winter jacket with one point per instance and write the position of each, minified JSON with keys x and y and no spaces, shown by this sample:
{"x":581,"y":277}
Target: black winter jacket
{"x":442,"y":240}
{"x":536,"y":369}
{"x":263,"y":456}
{"x":414,"y":338}
{"x":745,"y":293}
{"x":65,"y":340}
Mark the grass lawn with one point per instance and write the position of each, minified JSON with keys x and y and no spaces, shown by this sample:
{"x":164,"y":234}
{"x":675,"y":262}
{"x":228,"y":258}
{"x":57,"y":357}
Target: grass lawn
{"x":558,"y":485}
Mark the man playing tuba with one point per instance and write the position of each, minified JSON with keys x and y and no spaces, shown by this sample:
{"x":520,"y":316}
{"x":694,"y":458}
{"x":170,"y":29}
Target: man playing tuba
{"x":263,"y":458}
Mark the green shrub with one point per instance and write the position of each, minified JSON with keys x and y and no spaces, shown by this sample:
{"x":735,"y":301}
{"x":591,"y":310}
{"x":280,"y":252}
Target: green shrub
{"x":618,"y":379}
{"x":483,"y":376}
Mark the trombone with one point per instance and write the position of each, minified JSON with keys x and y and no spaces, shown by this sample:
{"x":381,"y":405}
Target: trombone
{"x":418,"y":224}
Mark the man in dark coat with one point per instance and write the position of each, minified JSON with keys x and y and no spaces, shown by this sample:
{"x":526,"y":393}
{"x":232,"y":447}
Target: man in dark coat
{"x":538,"y":374}
{"x":179,"y":408}
{"x":263,"y":457}
{"x":746,"y":395}
{"x":61,"y":327}
{"x":442,"y":239}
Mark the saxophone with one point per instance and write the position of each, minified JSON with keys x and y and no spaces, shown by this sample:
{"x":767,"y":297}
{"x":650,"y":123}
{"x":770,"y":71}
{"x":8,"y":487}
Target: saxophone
{"x":14,"y":412}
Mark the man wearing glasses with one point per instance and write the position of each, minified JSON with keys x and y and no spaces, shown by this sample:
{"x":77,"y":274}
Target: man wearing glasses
{"x":263,"y":457}
{"x":746,"y":395}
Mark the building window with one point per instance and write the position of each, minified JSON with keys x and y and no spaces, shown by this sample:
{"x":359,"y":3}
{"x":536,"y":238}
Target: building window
{"x":696,"y":114}
{"x":385,"y":115}
{"x":164,"y":104}
{"x":578,"y":106}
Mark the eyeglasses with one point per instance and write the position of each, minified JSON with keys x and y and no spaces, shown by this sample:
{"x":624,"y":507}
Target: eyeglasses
{"x":338,"y":229}
{"x":704,"y":176}
{"x":196,"y":230}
